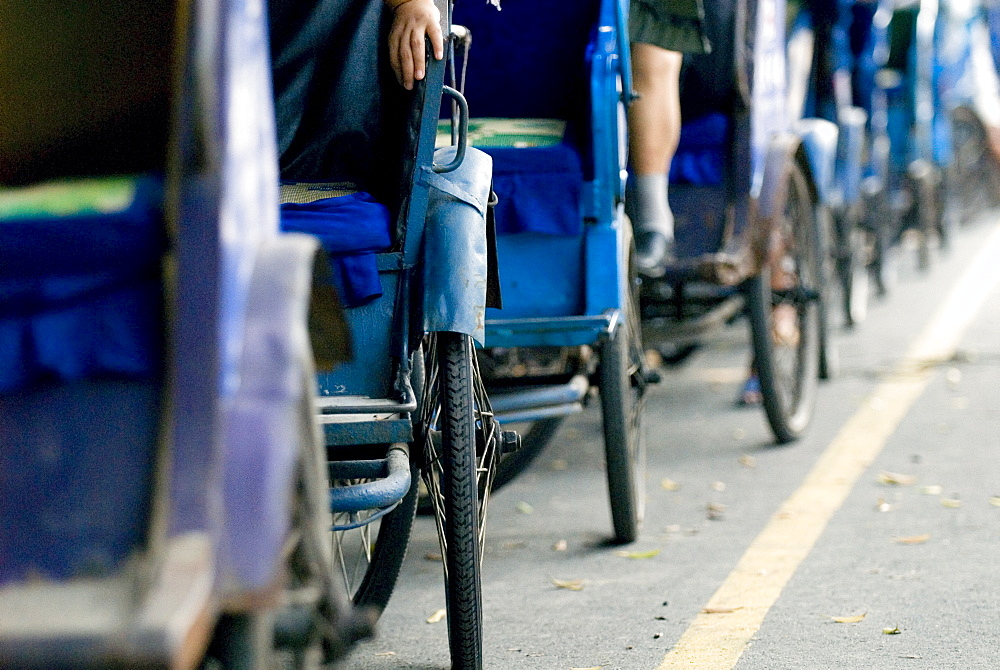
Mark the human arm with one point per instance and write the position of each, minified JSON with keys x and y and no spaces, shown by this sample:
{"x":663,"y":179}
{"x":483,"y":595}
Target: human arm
{"x":413,"y":21}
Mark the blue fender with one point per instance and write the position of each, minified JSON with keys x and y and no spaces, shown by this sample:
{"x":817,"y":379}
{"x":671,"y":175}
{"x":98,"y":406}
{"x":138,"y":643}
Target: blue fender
{"x":850,"y":153}
{"x":454,"y":256}
{"x":819,"y":141}
{"x":261,"y":423}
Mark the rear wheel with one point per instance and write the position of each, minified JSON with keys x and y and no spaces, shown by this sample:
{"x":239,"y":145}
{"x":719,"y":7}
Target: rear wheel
{"x":782,"y":306}
{"x":622,"y":386}
{"x":460,"y":442}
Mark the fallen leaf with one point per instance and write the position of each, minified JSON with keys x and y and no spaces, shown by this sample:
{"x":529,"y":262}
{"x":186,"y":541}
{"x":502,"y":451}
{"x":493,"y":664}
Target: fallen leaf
{"x":560,"y":545}
{"x":721,"y":610}
{"x":715,"y":511}
{"x":568,"y":584}
{"x":953,"y":503}
{"x":882,"y":506}
{"x":718,"y":486}
{"x":995,"y":501}
{"x":638,"y":554}
{"x":437,"y":616}
{"x":524,"y":508}
{"x":668,"y":484}
{"x":931,"y":490}
{"x":912,"y":539}
{"x":891,"y":631}
{"x":953,"y":377}
{"x":748,"y":461}
{"x":431,"y":556}
{"x":857,"y":618}
{"x":895,"y":479}
{"x":386,"y":653}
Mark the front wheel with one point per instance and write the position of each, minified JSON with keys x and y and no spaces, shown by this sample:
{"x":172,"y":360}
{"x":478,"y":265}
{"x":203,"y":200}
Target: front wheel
{"x":460,"y":442}
{"x":621,"y":380}
{"x":782,"y":306}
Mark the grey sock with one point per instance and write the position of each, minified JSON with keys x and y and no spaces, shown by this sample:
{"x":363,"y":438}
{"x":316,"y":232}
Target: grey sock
{"x":650,"y":210}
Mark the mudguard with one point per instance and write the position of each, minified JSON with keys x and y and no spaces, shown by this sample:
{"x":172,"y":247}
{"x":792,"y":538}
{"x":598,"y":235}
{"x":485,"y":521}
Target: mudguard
{"x":455,"y":253}
{"x":261,"y":420}
{"x":819,"y":141}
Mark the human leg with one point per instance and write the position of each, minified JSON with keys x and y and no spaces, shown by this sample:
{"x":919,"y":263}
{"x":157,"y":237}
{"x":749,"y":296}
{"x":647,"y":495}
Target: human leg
{"x":654,"y":129}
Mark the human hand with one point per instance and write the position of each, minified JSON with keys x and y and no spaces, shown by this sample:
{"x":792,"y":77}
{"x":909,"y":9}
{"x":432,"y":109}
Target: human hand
{"x":413,"y":21}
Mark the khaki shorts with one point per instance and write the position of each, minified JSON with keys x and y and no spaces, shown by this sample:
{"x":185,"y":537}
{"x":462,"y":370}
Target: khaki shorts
{"x":677,"y":25}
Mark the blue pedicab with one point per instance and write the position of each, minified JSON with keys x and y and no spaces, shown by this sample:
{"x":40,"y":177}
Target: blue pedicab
{"x":548,"y":82}
{"x":743,"y":195}
{"x":912,"y":86}
{"x":163,"y":486}
{"x":971,"y":91}
{"x":404,"y":227}
{"x":822,"y":73}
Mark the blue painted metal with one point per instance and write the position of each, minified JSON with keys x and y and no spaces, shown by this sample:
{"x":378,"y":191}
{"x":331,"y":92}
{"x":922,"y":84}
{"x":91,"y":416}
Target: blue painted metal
{"x":454,"y":267}
{"x":541,"y":396}
{"x":820,"y":140}
{"x":390,"y":482}
{"x":386,"y":431}
{"x":566,"y":331}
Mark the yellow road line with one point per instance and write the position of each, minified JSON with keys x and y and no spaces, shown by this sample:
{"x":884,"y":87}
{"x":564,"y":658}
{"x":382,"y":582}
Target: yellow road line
{"x":718,"y":636}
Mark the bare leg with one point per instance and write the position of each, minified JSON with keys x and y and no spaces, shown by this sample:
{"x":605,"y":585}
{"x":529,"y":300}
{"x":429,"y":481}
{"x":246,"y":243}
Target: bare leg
{"x":654,"y":129}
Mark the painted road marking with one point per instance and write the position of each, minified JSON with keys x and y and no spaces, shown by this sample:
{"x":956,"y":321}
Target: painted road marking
{"x":716,"y":640}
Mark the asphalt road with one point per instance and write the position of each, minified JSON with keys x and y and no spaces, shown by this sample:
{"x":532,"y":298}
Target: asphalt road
{"x":885,"y":514}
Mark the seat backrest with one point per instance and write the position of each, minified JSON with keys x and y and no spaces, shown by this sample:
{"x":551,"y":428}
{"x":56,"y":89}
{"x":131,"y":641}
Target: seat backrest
{"x":708,"y":80}
{"x":528,"y":60}
{"x":80,"y":99}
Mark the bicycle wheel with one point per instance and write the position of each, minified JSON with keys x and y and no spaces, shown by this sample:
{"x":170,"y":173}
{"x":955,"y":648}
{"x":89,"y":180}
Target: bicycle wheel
{"x":783,"y":316}
{"x":368,"y":549}
{"x":621,"y":382}
{"x":832,"y":251}
{"x":460,"y":441}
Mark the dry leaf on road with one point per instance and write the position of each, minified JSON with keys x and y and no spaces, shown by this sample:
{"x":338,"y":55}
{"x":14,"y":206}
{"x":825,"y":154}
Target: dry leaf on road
{"x":568,"y":584}
{"x":857,"y":618}
{"x":668,"y":484}
{"x":437,"y":616}
{"x":891,"y":631}
{"x":720,"y":610}
{"x":912,"y":539}
{"x":953,"y":503}
{"x":895,"y":479}
{"x":638,"y":554}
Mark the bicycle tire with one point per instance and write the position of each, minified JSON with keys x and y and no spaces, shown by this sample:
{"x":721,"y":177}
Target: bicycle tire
{"x":832,"y":251}
{"x":376,"y":563}
{"x":788,"y":371}
{"x":460,"y":441}
{"x":621,"y":384}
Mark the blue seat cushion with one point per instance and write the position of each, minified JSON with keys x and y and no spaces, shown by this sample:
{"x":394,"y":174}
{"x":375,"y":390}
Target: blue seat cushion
{"x":702,"y":151}
{"x":80,"y":287}
{"x":351,"y":226}
{"x":538,"y":189}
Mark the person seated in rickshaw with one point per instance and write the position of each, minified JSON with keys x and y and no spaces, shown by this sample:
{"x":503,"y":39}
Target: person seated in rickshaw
{"x":660,"y":32}
{"x":339,"y":115}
